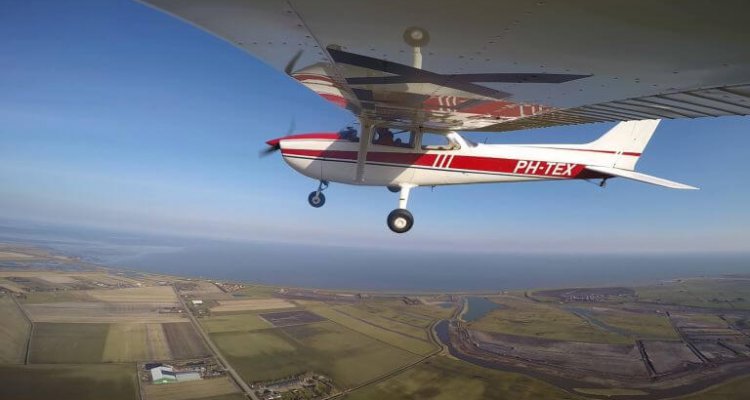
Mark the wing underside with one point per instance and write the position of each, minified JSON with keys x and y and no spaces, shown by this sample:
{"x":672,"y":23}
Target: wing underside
{"x":498,"y":66}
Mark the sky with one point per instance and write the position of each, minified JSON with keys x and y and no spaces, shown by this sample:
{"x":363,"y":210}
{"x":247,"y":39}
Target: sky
{"x":115,"y":115}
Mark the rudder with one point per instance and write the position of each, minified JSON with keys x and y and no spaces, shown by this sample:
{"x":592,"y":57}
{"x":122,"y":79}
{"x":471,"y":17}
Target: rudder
{"x":628,"y":140}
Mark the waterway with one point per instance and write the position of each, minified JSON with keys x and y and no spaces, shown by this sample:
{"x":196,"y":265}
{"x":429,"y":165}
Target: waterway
{"x":478,"y":307}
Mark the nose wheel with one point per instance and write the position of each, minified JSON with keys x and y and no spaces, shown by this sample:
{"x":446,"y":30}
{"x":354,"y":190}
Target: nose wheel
{"x":400,"y":220}
{"x":317,"y":198}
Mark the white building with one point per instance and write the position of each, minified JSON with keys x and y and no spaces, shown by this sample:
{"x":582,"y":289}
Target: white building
{"x":167,"y":374}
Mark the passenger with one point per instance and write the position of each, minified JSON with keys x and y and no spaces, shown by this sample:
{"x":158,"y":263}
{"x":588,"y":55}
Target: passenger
{"x":385,"y":136}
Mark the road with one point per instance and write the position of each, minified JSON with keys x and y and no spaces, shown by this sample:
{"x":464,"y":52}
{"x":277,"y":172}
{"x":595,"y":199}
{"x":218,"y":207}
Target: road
{"x":224,"y":363}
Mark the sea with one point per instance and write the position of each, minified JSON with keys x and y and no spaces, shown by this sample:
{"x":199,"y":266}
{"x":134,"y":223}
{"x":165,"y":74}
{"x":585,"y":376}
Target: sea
{"x":367,"y":269}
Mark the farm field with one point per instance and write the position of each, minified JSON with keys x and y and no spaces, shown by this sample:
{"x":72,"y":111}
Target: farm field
{"x":640,"y":325}
{"x":233,"y":322}
{"x":527,"y":318}
{"x":406,"y":324}
{"x":441,"y":378}
{"x":140,"y":305}
{"x":410,"y":344}
{"x":202,"y":290}
{"x":137,"y":342}
{"x":157,"y":294}
{"x":68,"y":343}
{"x":14,"y":332}
{"x":10,"y":286}
{"x":709,"y":293}
{"x":194,"y":390}
{"x":100,"y":312}
{"x":80,"y":382}
{"x":184,"y":341}
{"x":255,"y":292}
{"x":347,"y":356}
{"x":251,"y":305}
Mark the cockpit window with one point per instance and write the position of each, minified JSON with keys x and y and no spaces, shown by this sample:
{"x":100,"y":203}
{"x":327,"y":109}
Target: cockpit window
{"x":433,"y":141}
{"x":388,"y":137}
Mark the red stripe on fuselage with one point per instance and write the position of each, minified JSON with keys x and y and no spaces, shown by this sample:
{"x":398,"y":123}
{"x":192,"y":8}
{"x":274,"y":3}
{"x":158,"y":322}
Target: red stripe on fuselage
{"x":459,"y":162}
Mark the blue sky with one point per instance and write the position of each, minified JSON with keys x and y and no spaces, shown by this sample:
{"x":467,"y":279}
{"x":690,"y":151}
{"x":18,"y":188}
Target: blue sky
{"x":115,"y":115}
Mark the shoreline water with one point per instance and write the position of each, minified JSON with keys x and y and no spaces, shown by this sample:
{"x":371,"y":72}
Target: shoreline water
{"x":375,"y":270}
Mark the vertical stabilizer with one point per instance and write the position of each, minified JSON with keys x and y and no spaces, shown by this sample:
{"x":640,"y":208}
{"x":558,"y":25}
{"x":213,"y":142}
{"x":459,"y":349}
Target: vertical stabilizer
{"x":627,"y":140}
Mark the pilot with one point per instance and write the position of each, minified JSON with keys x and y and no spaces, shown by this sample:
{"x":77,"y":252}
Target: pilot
{"x":385,"y":136}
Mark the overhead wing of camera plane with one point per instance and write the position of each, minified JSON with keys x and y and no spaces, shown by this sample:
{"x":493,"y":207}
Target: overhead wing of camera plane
{"x":410,"y":69}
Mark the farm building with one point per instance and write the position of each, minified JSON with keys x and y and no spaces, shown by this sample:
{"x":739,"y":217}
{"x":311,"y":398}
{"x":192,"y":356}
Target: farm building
{"x":167,"y":374}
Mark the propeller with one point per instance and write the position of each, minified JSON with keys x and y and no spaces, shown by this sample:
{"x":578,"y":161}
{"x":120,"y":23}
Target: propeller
{"x":273,"y":145}
{"x":268,"y":150}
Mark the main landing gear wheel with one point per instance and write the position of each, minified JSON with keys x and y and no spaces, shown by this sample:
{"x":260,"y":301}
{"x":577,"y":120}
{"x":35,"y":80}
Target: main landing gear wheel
{"x":316,"y":199}
{"x":400,"y":220}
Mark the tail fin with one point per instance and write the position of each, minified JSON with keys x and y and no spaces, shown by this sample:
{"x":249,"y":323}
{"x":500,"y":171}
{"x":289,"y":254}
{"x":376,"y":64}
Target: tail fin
{"x":627,"y":140}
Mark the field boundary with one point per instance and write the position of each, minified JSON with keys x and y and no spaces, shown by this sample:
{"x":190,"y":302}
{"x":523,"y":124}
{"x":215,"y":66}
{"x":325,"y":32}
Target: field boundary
{"x":31,"y":329}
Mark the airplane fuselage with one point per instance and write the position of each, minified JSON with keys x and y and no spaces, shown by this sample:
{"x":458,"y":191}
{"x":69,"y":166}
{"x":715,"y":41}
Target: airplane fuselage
{"x":330,"y":158}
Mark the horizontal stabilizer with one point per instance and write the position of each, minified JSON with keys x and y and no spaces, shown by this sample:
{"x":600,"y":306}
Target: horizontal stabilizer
{"x":637,"y":176}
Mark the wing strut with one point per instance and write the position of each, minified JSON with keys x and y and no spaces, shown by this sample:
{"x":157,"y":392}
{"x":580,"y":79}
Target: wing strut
{"x":365,"y":136}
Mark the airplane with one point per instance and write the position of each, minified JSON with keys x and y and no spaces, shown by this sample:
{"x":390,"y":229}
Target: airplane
{"x":417,"y":74}
{"x":402,"y":164}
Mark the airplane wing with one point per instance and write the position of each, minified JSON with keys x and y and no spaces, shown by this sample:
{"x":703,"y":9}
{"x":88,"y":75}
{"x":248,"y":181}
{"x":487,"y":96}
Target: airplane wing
{"x":637,"y":176}
{"x":498,"y":65}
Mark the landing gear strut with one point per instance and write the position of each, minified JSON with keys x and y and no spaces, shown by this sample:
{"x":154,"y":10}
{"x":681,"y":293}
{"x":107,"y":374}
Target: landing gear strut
{"x":400,"y":220}
{"x":316,"y":198}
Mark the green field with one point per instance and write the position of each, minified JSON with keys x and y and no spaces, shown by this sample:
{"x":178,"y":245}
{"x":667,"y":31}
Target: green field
{"x":348,"y":357}
{"x":80,"y":382}
{"x":256,"y":291}
{"x":413,"y":345}
{"x":711,"y":293}
{"x":413,"y":325}
{"x":441,"y":378}
{"x":125,"y":342}
{"x":233,"y":323}
{"x":14,"y":331}
{"x":527,"y":318}
{"x":68,"y":343}
{"x":644,"y":326}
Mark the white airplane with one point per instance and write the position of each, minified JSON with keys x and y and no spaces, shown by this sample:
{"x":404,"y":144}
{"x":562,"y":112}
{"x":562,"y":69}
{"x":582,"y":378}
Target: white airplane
{"x":563,"y":62}
{"x":404,"y":163}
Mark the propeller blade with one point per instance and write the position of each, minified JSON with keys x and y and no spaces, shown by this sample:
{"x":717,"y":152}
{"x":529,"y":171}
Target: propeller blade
{"x":268,"y":151}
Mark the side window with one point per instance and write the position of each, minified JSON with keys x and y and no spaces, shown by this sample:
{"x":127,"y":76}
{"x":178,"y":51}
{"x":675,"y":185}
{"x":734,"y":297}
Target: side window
{"x":434,"y":141}
{"x":388,"y":137}
{"x":350,"y":134}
